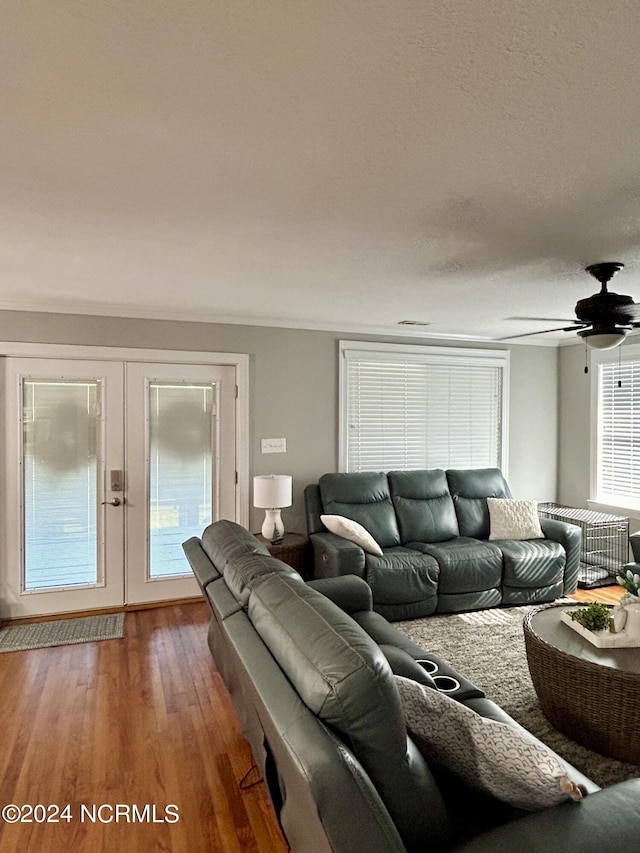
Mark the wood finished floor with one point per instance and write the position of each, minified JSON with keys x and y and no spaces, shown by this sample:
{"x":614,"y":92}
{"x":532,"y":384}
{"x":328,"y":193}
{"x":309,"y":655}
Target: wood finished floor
{"x":143,"y":720}
{"x":603,"y":594}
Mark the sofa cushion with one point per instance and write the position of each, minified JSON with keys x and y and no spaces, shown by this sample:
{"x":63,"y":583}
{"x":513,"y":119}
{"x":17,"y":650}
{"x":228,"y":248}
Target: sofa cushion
{"x":513,"y":519}
{"x":532,"y":562}
{"x":343,"y":677}
{"x":470,"y":490}
{"x":423,"y":505}
{"x":466,"y":565}
{"x":491,"y":756}
{"x":458,"y":602}
{"x":402,"y":575}
{"x":351,"y":530}
{"x":365,"y":498}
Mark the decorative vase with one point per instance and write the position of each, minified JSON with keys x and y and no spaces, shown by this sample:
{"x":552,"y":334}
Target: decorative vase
{"x":619,"y":616}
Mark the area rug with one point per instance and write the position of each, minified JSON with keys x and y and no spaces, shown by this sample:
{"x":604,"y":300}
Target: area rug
{"x":488,"y":648}
{"x":62,"y":632}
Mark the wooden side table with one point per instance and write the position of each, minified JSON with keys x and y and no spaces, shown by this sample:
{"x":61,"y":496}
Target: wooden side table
{"x":294,"y":550}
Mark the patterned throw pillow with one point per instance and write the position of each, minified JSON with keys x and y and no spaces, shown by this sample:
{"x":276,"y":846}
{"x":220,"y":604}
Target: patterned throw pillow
{"x":353,"y":531}
{"x":514,"y":519}
{"x":491,"y":756}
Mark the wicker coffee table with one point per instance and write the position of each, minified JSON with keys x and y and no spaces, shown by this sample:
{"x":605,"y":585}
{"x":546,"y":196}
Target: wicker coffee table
{"x":590,"y":694}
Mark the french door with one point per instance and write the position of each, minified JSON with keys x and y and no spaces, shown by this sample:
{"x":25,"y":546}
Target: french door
{"x":109,"y":466}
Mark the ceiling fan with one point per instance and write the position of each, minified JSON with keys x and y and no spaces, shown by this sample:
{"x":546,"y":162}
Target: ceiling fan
{"x":603,"y":319}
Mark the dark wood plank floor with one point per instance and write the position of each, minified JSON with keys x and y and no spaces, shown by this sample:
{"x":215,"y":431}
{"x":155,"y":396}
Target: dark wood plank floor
{"x":142,"y":721}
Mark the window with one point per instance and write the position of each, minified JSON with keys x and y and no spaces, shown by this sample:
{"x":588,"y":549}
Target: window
{"x":404,"y":407}
{"x":618,"y":431}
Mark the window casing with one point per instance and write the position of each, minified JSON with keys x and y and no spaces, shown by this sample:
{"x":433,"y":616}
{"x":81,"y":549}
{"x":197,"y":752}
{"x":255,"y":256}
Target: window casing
{"x":408,"y":407}
{"x":617,"y":433}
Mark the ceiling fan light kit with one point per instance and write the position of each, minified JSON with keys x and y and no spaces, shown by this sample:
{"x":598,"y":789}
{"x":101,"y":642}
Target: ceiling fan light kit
{"x":604,"y":319}
{"x":603,"y":338}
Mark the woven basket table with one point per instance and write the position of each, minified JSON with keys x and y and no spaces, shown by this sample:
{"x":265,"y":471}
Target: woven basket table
{"x":590,"y":694}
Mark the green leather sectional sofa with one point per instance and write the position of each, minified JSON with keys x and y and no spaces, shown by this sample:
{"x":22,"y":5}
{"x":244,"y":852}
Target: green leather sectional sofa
{"x":433,"y":528}
{"x":309,"y":667}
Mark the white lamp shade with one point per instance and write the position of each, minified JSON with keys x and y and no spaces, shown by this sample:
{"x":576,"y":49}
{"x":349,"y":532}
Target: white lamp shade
{"x":271,"y":491}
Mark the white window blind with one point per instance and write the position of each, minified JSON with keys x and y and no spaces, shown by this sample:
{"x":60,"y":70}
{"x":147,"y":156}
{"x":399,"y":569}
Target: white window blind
{"x":422,"y":407}
{"x":618,"y":473}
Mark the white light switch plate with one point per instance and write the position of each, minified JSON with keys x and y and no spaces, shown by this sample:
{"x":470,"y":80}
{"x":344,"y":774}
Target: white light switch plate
{"x":274,"y":445}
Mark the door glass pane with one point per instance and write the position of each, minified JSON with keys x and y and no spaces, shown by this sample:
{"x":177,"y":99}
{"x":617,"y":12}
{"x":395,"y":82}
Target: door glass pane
{"x":60,"y":475}
{"x":182,"y":429}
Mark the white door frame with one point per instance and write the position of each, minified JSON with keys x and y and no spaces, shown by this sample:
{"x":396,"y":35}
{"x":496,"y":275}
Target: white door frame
{"x":239,"y":360}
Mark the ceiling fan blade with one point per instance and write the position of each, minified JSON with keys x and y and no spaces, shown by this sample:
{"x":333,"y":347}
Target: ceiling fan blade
{"x":632,"y":311}
{"x":545,"y":331}
{"x":546,"y":319}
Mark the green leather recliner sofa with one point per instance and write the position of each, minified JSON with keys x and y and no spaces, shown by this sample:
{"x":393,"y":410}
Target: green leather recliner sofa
{"x":309,"y":667}
{"x":433,"y":528}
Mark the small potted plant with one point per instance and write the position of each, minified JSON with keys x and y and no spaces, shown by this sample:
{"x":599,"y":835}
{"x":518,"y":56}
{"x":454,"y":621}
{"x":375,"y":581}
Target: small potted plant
{"x":594,"y":617}
{"x":631,"y":582}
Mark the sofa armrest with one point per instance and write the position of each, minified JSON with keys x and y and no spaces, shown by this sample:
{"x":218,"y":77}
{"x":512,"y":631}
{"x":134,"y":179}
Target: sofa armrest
{"x":350,"y":593}
{"x":201,"y":565}
{"x":606,"y":820}
{"x":334,"y":555}
{"x":570,"y":537}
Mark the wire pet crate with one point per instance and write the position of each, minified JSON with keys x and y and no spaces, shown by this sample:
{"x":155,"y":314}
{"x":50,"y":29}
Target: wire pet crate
{"x":605,"y":542}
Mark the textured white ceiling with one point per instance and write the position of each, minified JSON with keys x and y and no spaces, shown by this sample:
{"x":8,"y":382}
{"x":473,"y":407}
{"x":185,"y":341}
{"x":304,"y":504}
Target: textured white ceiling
{"x":319,"y":163}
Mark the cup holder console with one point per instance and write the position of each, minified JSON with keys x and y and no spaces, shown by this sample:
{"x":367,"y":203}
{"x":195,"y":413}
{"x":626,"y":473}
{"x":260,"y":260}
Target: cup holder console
{"x":446,"y":683}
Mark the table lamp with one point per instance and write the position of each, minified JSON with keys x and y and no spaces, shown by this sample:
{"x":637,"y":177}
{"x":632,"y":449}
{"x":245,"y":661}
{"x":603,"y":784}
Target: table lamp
{"x":271,"y":492}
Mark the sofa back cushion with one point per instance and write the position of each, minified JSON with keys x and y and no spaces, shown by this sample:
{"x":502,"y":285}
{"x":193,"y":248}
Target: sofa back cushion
{"x":241,"y":558}
{"x":423,"y":504}
{"x":470,"y":489}
{"x":313,"y":508}
{"x":224,"y":541}
{"x":365,"y":498}
{"x":343,"y":677}
{"x":243,"y":574}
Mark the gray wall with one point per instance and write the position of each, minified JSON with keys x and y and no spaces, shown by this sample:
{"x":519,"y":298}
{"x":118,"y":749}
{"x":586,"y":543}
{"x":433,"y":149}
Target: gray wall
{"x":294,"y":391}
{"x":533,"y":422}
{"x":574,"y":449}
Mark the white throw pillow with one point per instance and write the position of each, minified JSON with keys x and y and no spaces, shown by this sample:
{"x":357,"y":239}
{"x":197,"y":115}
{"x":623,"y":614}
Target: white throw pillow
{"x":491,"y":756}
{"x":514,"y":519}
{"x":353,"y":531}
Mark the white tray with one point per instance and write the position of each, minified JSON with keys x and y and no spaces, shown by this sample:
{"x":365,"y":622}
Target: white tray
{"x":602,"y":639}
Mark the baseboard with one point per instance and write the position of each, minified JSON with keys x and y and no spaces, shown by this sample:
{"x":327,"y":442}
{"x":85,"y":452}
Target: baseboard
{"x":124,"y":608}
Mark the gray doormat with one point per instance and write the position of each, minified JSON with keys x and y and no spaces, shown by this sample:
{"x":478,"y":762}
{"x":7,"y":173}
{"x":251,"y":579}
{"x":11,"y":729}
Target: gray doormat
{"x":62,"y":632}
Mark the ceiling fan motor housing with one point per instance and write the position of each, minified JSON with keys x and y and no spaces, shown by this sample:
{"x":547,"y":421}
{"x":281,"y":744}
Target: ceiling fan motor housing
{"x":606,"y":308}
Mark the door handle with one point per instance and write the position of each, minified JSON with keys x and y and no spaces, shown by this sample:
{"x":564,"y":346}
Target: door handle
{"x":114,"y":502}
